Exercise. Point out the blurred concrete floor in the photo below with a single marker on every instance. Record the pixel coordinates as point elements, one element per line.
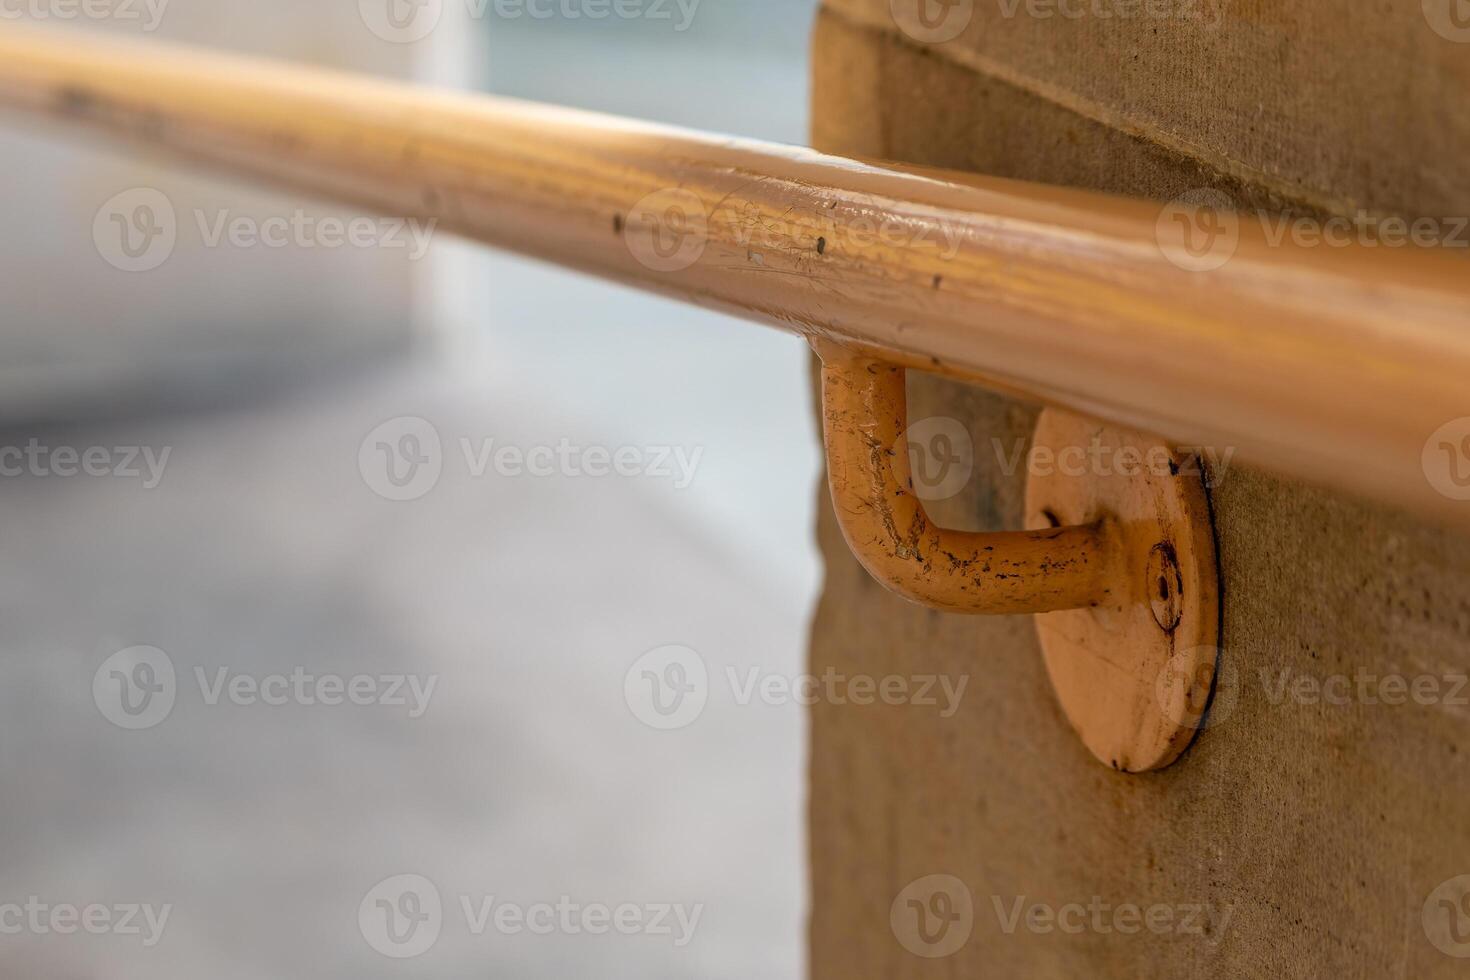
<point>528,777</point>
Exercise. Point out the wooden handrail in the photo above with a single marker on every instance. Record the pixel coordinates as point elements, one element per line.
<point>1333,364</point>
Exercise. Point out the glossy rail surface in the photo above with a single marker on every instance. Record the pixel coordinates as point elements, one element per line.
<point>1335,364</point>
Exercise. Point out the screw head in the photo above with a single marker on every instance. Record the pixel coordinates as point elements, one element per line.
<point>1165,586</point>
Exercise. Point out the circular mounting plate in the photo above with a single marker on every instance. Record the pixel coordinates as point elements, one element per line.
<point>1133,674</point>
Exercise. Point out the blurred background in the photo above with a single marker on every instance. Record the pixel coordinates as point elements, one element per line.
<point>299,667</point>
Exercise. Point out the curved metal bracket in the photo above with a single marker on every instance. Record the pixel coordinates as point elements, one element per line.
<point>1120,560</point>
<point>865,421</point>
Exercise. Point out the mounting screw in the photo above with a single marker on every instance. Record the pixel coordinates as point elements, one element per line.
<point>1165,586</point>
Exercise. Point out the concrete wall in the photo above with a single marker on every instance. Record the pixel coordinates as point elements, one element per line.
<point>1306,833</point>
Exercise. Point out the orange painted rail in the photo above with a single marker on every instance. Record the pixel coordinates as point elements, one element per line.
<point>1342,364</point>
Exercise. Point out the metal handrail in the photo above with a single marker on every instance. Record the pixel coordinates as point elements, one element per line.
<point>1345,366</point>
